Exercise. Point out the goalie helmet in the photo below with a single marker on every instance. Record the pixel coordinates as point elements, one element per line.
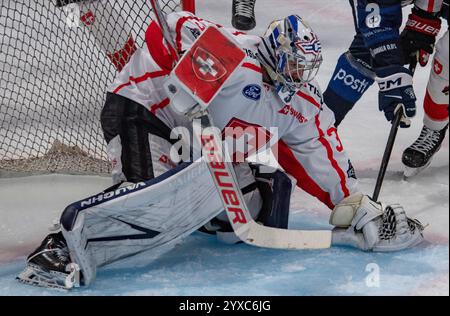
<point>290,52</point>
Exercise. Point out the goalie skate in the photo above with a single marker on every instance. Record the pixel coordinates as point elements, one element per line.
<point>409,172</point>
<point>49,265</point>
<point>37,276</point>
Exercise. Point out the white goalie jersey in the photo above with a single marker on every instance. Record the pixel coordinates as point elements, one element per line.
<point>299,129</point>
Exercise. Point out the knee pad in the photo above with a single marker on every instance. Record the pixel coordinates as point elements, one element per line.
<point>276,189</point>
<point>349,82</point>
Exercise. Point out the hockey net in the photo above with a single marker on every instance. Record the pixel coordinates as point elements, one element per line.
<point>56,59</point>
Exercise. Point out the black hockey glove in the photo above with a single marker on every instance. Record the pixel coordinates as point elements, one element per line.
<point>419,36</point>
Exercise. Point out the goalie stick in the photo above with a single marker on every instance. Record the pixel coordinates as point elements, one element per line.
<point>222,172</point>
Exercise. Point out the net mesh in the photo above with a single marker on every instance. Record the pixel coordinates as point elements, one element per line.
<point>56,61</point>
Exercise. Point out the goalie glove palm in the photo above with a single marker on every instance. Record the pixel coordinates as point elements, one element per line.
<point>372,227</point>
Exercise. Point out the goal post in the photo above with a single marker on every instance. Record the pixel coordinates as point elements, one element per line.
<point>56,59</point>
<point>188,5</point>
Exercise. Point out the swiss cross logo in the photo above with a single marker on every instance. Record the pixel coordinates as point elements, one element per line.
<point>165,160</point>
<point>207,67</point>
<point>285,110</point>
<point>88,18</point>
<point>310,46</point>
<point>244,139</point>
<point>289,110</point>
<point>437,67</point>
<point>204,69</point>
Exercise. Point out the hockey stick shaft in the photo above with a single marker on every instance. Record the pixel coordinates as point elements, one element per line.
<point>387,153</point>
<point>222,171</point>
<point>217,159</point>
<point>164,26</point>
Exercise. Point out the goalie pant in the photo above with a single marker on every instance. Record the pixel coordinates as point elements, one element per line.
<point>308,145</point>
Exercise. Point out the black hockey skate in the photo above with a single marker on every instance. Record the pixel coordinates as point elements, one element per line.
<point>419,155</point>
<point>49,265</point>
<point>243,15</point>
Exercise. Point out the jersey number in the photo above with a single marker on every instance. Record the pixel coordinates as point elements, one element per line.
<point>373,19</point>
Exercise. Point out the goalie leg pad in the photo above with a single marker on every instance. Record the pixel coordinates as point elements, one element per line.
<point>153,215</point>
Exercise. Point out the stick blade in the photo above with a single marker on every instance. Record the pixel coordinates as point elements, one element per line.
<point>274,238</point>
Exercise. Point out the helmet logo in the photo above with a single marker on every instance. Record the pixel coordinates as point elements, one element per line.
<point>310,47</point>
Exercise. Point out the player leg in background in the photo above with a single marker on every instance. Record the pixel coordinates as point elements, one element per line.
<point>243,15</point>
<point>351,79</point>
<point>102,19</point>
<point>419,155</point>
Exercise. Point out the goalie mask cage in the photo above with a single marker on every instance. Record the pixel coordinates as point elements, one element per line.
<point>56,59</point>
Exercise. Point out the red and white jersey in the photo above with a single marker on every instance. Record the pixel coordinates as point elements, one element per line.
<point>308,144</point>
<point>432,6</point>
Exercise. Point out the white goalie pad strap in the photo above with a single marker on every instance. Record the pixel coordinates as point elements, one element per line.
<point>114,152</point>
<point>151,215</point>
<point>161,158</point>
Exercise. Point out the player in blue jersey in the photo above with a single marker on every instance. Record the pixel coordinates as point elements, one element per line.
<point>375,54</point>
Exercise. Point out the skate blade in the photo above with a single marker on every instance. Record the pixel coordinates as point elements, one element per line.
<point>409,172</point>
<point>35,276</point>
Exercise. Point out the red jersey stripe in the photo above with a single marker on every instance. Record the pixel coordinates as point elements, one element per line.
<point>289,162</point>
<point>333,161</point>
<point>142,78</point>
<point>159,106</point>
<point>252,67</point>
<point>309,98</point>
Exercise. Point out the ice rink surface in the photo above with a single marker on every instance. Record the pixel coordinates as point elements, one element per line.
<point>202,266</point>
